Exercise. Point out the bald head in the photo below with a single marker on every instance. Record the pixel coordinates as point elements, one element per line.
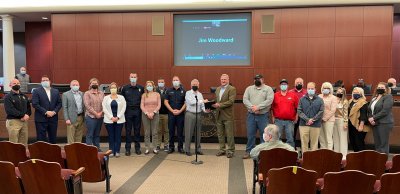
<point>14,82</point>
<point>392,82</point>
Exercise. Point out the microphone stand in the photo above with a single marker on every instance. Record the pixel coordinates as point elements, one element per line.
<point>196,162</point>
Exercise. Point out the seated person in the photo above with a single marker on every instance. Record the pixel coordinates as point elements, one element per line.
<point>392,83</point>
<point>271,138</point>
<point>364,86</point>
<point>337,84</point>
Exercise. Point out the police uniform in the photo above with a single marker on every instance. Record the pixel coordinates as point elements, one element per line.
<point>16,106</point>
<point>176,99</point>
<point>133,115</point>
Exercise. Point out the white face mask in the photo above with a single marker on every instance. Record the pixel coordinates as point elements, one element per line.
<point>176,83</point>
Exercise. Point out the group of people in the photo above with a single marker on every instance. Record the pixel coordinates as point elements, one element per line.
<point>162,111</point>
<point>328,118</point>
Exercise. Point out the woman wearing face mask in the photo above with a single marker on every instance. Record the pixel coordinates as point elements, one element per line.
<point>358,108</point>
<point>150,105</point>
<point>114,106</point>
<point>93,99</point>
<point>380,117</point>
<point>328,118</point>
<point>341,119</point>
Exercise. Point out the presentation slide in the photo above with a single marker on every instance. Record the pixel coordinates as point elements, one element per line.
<point>212,39</point>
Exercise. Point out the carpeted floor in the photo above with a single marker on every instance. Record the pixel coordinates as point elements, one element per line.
<point>174,173</point>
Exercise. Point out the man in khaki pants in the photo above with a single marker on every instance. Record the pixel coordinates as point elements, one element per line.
<point>225,98</point>
<point>73,109</point>
<point>18,110</point>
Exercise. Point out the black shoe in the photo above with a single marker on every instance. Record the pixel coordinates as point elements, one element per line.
<point>188,154</point>
<point>170,151</point>
<point>200,153</point>
<point>181,151</point>
<point>128,153</point>
<point>138,152</point>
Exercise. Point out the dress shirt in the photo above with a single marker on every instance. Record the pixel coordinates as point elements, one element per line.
<point>190,101</point>
<point>78,101</point>
<point>221,92</point>
<point>48,93</point>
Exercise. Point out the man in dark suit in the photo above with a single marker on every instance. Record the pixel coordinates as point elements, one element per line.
<point>47,103</point>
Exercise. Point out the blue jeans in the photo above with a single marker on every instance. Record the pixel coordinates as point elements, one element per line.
<point>288,126</point>
<point>255,122</point>
<point>93,131</point>
<point>114,136</point>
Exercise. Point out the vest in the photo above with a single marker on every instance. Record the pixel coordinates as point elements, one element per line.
<point>23,80</point>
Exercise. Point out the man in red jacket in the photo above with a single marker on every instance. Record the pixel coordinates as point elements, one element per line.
<point>284,109</point>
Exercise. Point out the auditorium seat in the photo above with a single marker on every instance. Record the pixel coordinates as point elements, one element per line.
<point>390,183</point>
<point>393,165</point>
<point>47,152</point>
<point>291,180</point>
<point>95,163</point>
<point>322,161</point>
<point>10,182</point>
<point>41,177</point>
<point>367,161</point>
<point>13,152</point>
<point>268,159</point>
<point>348,182</point>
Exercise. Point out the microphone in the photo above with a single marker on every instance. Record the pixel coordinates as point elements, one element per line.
<point>195,97</point>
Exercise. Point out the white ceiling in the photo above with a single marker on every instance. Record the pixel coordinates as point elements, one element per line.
<point>29,10</point>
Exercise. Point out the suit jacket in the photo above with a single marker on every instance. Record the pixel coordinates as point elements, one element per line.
<point>382,110</point>
<point>70,108</point>
<point>41,103</point>
<point>225,111</point>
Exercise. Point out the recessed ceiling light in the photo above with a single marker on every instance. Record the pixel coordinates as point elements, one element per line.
<point>45,18</point>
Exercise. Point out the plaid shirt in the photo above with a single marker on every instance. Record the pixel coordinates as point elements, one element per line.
<point>92,101</point>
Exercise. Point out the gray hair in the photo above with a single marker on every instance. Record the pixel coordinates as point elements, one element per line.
<point>273,130</point>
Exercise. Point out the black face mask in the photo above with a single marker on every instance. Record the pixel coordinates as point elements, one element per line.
<point>257,82</point>
<point>195,88</point>
<point>339,95</point>
<point>380,91</point>
<point>95,86</point>
<point>16,87</point>
<point>299,86</point>
<point>390,84</point>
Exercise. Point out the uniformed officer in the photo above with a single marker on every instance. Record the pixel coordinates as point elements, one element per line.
<point>133,115</point>
<point>24,79</point>
<point>175,103</point>
<point>18,110</point>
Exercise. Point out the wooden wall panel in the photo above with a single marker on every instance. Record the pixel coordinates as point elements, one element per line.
<point>320,52</point>
<point>134,54</point>
<point>111,55</point>
<point>291,74</point>
<point>349,75</point>
<point>87,26</point>
<point>348,51</point>
<point>64,54</point>
<point>395,73</point>
<point>63,26</point>
<point>294,22</point>
<point>349,21</point>
<point>267,53</point>
<point>319,76</point>
<point>185,74</point>
<point>87,55</point>
<point>110,26</point>
<point>321,22</point>
<point>294,52</point>
<point>64,76</point>
<point>375,75</point>
<point>378,20</point>
<point>376,51</point>
<point>159,54</point>
<point>134,26</point>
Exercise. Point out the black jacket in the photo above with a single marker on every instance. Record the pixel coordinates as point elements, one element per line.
<point>16,105</point>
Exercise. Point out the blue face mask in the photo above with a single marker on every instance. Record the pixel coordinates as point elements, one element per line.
<point>45,84</point>
<point>149,88</point>
<point>176,83</point>
<point>23,72</point>
<point>356,96</point>
<point>75,88</point>
<point>161,85</point>
<point>283,87</point>
<point>311,92</point>
<point>133,79</point>
<point>325,91</point>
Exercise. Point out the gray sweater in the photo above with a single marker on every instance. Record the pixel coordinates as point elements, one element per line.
<point>311,109</point>
<point>261,97</point>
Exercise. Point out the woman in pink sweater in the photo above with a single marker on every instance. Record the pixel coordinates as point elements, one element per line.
<point>150,105</point>
<point>328,119</point>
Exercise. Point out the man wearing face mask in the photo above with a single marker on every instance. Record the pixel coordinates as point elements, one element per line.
<point>299,91</point>
<point>310,111</point>
<point>284,111</point>
<point>18,110</point>
<point>133,115</point>
<point>392,83</point>
<point>192,96</point>
<point>47,102</point>
<point>24,79</point>
<point>175,103</point>
<point>257,99</point>
<point>163,115</point>
<point>73,108</point>
<point>271,138</point>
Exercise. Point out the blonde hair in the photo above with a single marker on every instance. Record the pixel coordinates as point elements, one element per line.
<point>344,93</point>
<point>327,85</point>
<point>146,92</point>
<point>359,90</point>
